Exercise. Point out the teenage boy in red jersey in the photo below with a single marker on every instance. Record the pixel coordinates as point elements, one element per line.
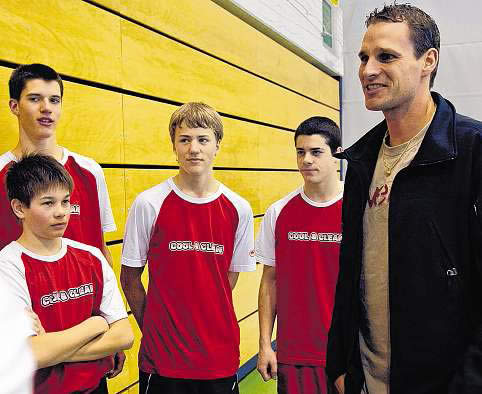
<point>36,92</point>
<point>197,235</point>
<point>67,284</point>
<point>298,244</point>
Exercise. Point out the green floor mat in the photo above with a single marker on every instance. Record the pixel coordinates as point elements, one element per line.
<point>254,384</point>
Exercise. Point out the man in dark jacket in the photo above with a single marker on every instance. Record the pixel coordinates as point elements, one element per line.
<point>407,316</point>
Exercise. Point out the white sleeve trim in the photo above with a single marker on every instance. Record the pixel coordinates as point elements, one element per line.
<point>141,219</point>
<point>106,215</point>
<point>111,306</point>
<point>243,259</point>
<point>265,241</point>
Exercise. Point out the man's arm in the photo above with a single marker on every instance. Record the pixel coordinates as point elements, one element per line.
<point>267,364</point>
<point>233,279</point>
<point>118,337</point>
<point>106,252</point>
<point>134,291</point>
<point>56,347</point>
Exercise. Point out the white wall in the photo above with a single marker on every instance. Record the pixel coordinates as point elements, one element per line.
<point>301,22</point>
<point>459,76</point>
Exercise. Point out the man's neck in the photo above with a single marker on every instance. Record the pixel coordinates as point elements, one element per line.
<point>40,246</point>
<point>405,123</point>
<point>324,191</point>
<point>46,146</point>
<point>199,186</point>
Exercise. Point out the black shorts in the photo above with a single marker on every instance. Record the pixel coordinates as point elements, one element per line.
<point>154,384</point>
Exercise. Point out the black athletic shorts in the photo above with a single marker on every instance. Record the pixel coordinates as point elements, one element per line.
<point>155,384</point>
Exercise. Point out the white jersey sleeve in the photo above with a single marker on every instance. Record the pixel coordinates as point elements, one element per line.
<point>266,239</point>
<point>140,222</point>
<point>16,364</point>
<point>111,305</point>
<point>106,215</point>
<point>243,259</point>
<point>12,272</point>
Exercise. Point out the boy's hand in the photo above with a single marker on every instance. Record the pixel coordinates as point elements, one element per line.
<point>119,359</point>
<point>36,323</point>
<point>267,364</point>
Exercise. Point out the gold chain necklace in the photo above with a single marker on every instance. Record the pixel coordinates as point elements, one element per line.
<point>389,169</point>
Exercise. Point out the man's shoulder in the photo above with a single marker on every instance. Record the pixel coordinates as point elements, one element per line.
<point>468,124</point>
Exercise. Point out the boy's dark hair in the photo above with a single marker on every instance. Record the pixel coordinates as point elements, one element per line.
<point>424,32</point>
<point>34,174</point>
<point>26,72</point>
<point>324,127</point>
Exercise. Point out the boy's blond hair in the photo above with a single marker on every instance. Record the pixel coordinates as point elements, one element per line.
<point>196,115</point>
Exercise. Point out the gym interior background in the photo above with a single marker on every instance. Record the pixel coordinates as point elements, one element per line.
<point>127,65</point>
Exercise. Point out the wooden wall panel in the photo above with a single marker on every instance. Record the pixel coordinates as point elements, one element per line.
<point>245,294</point>
<point>154,65</point>
<point>249,338</point>
<point>208,26</point>
<point>72,36</point>
<point>245,144</point>
<point>115,184</point>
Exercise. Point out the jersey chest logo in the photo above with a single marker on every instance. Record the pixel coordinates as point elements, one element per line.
<point>207,247</point>
<point>66,295</point>
<point>75,209</point>
<point>320,237</point>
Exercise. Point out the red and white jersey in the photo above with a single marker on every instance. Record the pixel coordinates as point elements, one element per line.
<point>190,328</point>
<point>302,238</point>
<point>91,213</point>
<point>64,290</point>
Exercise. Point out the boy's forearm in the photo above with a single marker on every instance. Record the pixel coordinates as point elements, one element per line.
<point>136,297</point>
<point>266,310</point>
<point>118,337</point>
<point>56,347</point>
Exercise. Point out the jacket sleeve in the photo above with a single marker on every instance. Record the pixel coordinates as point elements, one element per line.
<point>339,334</point>
<point>468,379</point>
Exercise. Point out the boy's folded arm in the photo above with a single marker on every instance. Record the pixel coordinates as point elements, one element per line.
<point>118,337</point>
<point>56,347</point>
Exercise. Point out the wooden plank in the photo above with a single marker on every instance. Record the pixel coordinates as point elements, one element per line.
<point>91,122</point>
<point>208,26</point>
<point>72,36</point>
<point>158,66</point>
<point>115,184</point>
<point>260,188</point>
<point>249,338</point>
<point>245,144</point>
<point>245,294</point>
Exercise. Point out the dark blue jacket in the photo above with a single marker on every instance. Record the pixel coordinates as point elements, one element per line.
<point>435,261</point>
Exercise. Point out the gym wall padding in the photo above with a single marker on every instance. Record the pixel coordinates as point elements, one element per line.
<point>128,65</point>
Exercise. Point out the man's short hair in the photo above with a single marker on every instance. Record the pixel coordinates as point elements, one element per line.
<point>26,72</point>
<point>34,174</point>
<point>424,32</point>
<point>196,115</point>
<point>325,127</point>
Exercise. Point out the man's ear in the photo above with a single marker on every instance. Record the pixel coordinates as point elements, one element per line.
<point>18,208</point>
<point>430,62</point>
<point>339,149</point>
<point>13,104</point>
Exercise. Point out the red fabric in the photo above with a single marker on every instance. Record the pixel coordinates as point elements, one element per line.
<point>190,328</point>
<point>76,269</point>
<point>297,379</point>
<point>306,275</point>
<point>84,227</point>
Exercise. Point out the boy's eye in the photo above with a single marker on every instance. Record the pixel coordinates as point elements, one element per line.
<point>203,140</point>
<point>55,100</point>
<point>386,57</point>
<point>48,203</point>
<point>316,152</point>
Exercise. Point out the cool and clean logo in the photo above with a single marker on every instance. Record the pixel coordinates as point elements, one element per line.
<point>75,209</point>
<point>67,295</point>
<point>318,237</point>
<point>207,247</point>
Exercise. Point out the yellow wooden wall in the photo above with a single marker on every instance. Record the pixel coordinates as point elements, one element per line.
<point>128,64</point>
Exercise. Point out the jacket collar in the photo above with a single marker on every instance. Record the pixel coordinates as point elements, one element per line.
<point>438,144</point>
